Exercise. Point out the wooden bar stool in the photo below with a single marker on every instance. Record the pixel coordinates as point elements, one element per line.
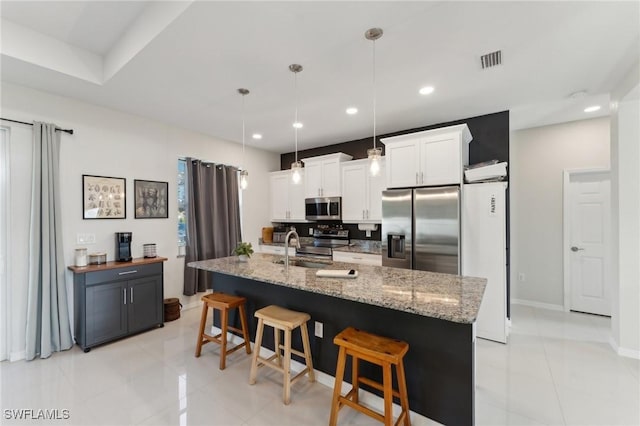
<point>378,350</point>
<point>285,320</point>
<point>223,302</point>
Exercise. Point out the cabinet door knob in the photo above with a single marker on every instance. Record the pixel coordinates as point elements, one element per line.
<point>131,295</point>
<point>124,295</point>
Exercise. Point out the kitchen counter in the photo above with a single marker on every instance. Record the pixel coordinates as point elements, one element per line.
<point>433,313</point>
<point>448,297</point>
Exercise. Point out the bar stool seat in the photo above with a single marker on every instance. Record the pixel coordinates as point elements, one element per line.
<point>285,320</point>
<point>382,351</point>
<point>223,302</point>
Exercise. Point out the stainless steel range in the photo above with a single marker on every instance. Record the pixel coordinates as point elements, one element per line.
<point>325,239</point>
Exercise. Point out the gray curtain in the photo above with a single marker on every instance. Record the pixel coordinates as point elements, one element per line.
<point>213,218</point>
<point>48,327</point>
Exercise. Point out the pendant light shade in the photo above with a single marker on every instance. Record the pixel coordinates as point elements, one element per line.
<point>296,166</point>
<point>374,154</point>
<point>244,174</point>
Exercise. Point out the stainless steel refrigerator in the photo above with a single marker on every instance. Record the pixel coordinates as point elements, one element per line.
<point>421,229</point>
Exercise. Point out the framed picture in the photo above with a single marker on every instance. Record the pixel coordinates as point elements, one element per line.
<point>151,199</point>
<point>104,197</point>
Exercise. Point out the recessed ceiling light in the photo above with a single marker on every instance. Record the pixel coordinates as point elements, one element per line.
<point>592,108</point>
<point>426,90</point>
<point>578,95</point>
<point>352,110</point>
<point>256,136</point>
<point>297,125</point>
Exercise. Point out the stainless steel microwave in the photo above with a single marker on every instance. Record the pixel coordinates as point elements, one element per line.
<point>323,208</point>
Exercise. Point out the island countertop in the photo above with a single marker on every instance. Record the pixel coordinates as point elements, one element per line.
<point>448,297</point>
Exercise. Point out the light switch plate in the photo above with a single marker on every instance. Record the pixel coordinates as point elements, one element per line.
<point>319,329</point>
<point>86,239</point>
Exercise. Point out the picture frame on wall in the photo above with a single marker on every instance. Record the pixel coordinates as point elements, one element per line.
<point>104,197</point>
<point>151,199</point>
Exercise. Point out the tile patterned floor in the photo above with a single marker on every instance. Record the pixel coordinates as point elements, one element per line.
<point>558,369</point>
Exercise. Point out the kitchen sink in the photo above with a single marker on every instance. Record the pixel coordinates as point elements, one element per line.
<point>303,263</point>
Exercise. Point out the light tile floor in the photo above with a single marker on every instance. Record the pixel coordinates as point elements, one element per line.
<point>558,369</point>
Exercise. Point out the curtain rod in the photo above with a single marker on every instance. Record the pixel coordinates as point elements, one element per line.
<point>70,131</point>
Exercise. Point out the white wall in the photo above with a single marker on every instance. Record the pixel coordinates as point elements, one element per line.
<point>111,143</point>
<point>538,157</point>
<point>625,197</point>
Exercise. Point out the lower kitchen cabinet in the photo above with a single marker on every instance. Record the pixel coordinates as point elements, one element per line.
<point>117,299</point>
<point>361,258</point>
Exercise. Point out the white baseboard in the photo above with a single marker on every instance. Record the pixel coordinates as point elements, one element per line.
<point>626,352</point>
<point>192,305</point>
<point>535,304</point>
<point>371,400</point>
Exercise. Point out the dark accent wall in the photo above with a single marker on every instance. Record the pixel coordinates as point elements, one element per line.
<point>490,141</point>
<point>354,233</point>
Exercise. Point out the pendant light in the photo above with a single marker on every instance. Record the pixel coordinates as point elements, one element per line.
<point>374,153</point>
<point>244,174</point>
<point>296,166</point>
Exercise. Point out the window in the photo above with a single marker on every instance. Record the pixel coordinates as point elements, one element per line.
<point>182,203</point>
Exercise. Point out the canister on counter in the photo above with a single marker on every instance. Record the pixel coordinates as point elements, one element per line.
<point>81,256</point>
<point>267,234</point>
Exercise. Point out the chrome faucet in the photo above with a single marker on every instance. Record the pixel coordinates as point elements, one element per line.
<point>286,246</point>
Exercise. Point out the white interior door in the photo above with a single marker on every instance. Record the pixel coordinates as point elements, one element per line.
<point>589,243</point>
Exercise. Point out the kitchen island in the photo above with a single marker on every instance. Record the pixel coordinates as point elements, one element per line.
<point>434,313</point>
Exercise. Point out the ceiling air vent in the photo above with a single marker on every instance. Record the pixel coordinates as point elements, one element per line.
<point>492,59</point>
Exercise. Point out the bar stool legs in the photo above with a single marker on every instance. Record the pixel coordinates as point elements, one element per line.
<point>378,350</point>
<point>282,320</point>
<point>223,302</point>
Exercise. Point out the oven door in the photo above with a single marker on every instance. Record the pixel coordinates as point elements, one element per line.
<point>323,208</point>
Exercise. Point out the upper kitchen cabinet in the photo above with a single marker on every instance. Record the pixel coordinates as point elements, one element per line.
<point>322,175</point>
<point>361,192</point>
<point>287,198</point>
<point>431,157</point>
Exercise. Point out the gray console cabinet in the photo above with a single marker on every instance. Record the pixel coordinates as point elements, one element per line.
<point>116,300</point>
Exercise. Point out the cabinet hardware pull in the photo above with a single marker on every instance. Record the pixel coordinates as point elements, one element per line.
<point>131,295</point>
<point>416,178</point>
<point>127,272</point>
<point>363,214</point>
<point>421,177</point>
<point>124,295</point>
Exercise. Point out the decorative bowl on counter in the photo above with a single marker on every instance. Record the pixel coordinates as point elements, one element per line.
<point>97,258</point>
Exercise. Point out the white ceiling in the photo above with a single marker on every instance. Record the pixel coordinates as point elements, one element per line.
<point>182,62</point>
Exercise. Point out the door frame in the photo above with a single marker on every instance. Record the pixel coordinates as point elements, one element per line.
<point>566,232</point>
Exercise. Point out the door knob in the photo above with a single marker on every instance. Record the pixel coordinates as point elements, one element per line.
<point>574,249</point>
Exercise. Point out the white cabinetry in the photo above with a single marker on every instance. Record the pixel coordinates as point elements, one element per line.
<point>361,192</point>
<point>360,258</point>
<point>287,198</point>
<point>484,253</point>
<point>431,157</point>
<point>322,175</point>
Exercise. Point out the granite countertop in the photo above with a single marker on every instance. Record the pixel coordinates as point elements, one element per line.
<point>448,297</point>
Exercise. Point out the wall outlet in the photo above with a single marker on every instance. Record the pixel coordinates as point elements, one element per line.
<point>521,277</point>
<point>86,239</point>
<point>310,231</point>
<point>319,329</point>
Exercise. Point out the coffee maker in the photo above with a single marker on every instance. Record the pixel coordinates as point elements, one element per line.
<point>123,246</point>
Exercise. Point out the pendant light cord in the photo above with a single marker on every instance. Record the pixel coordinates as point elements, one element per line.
<point>243,131</point>
<point>374,94</point>
<point>295,86</point>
